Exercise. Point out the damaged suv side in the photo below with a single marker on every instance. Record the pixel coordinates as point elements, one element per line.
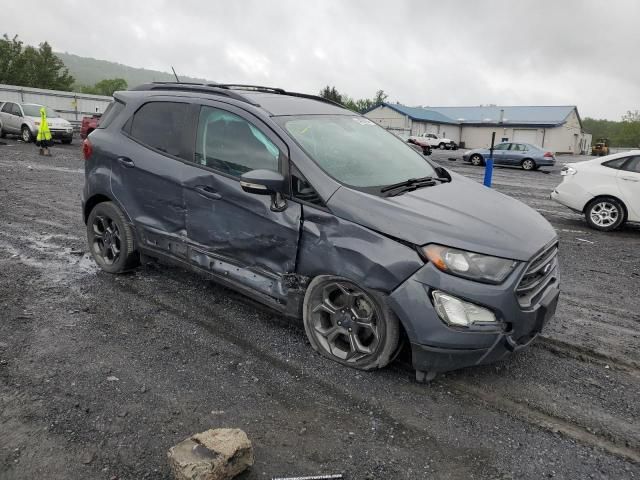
<point>321,214</point>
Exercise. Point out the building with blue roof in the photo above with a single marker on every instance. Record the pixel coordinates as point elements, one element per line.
<point>555,128</point>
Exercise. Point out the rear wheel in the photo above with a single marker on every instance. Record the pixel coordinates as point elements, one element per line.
<point>348,324</point>
<point>442,145</point>
<point>528,164</point>
<point>605,214</point>
<point>110,239</point>
<point>26,134</point>
<point>476,160</point>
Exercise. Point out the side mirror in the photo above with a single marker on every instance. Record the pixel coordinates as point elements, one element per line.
<point>262,182</point>
<point>266,182</point>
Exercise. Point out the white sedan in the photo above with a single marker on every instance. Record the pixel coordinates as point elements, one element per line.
<point>605,189</point>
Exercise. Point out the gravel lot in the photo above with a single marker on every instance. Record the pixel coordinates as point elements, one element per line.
<point>101,374</point>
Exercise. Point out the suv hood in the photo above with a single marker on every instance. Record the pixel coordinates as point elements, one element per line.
<point>461,214</point>
<point>55,122</point>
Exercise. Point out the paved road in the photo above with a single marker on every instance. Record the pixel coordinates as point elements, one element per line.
<point>101,374</point>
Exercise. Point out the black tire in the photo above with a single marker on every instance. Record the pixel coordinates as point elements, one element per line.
<point>110,239</point>
<point>426,150</point>
<point>358,315</point>
<point>3,134</point>
<point>528,164</point>
<point>605,214</point>
<point>67,141</point>
<point>442,145</point>
<point>476,160</point>
<point>26,134</point>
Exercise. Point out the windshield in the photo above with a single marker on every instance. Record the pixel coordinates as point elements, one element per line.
<point>355,151</point>
<point>34,111</point>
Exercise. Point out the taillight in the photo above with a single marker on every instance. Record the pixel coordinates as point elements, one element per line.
<point>87,149</point>
<point>548,154</point>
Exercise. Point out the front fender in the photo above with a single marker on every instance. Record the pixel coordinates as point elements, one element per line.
<point>330,245</point>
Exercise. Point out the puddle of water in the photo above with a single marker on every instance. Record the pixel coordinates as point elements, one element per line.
<point>59,264</point>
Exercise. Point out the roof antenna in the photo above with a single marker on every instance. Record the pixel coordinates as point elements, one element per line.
<point>175,75</point>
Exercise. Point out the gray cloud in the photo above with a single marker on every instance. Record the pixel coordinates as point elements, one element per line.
<point>536,52</point>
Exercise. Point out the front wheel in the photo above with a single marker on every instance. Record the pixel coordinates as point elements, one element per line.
<point>528,164</point>
<point>26,134</point>
<point>67,141</point>
<point>110,239</point>
<point>476,160</point>
<point>604,214</point>
<point>348,324</point>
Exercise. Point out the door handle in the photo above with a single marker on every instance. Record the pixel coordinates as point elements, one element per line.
<point>126,162</point>
<point>208,192</point>
<point>629,179</point>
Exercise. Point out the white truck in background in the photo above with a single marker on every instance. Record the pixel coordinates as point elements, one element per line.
<point>431,140</point>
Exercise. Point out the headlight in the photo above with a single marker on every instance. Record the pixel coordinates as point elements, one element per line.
<point>568,171</point>
<point>459,313</point>
<point>474,266</point>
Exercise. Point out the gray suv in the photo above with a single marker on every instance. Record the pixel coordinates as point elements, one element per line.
<point>319,213</point>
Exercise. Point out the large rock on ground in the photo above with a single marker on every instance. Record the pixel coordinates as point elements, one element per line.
<point>217,454</point>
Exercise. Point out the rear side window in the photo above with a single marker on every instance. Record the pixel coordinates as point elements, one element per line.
<point>112,111</point>
<point>232,145</point>
<point>6,107</point>
<point>633,165</point>
<point>161,125</point>
<point>617,163</point>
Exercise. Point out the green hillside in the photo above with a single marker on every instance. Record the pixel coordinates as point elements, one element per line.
<point>89,71</point>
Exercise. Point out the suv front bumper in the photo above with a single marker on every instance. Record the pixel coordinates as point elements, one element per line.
<point>439,347</point>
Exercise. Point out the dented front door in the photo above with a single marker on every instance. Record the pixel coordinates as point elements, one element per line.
<point>231,232</point>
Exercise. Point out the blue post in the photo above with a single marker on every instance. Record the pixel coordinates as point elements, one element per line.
<point>488,164</point>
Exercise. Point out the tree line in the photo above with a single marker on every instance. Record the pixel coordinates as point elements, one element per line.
<point>623,133</point>
<point>360,105</point>
<point>28,66</point>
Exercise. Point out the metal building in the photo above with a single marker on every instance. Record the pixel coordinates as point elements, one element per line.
<point>72,106</point>
<point>556,128</point>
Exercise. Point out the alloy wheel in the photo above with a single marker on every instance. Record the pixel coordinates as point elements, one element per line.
<point>345,322</point>
<point>106,241</point>
<point>604,214</point>
<point>528,164</point>
<point>26,136</point>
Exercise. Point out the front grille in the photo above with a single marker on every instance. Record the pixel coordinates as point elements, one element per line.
<point>542,271</point>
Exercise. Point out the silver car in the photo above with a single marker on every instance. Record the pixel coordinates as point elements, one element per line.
<point>24,119</point>
<point>524,155</point>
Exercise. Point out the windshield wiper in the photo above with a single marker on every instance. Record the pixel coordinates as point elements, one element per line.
<point>414,183</point>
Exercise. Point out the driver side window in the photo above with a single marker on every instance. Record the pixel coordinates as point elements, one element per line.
<point>228,143</point>
<point>502,146</point>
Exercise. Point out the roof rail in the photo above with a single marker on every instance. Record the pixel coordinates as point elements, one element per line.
<point>279,91</point>
<point>254,88</point>
<point>194,87</point>
<point>229,90</point>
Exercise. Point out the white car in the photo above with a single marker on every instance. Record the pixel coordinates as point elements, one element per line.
<point>23,119</point>
<point>605,189</point>
<point>431,140</point>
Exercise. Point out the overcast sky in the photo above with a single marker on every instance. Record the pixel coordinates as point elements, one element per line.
<point>420,52</point>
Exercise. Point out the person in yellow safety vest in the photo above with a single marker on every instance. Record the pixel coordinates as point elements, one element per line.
<point>43,140</point>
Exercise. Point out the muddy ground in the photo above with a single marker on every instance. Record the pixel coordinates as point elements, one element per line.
<point>101,374</point>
